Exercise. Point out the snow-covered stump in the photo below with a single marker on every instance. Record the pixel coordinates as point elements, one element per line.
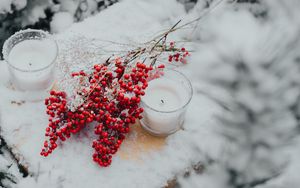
<point>71,165</point>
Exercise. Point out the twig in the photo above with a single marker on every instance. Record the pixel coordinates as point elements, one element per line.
<point>190,22</point>
<point>165,35</point>
<point>23,170</point>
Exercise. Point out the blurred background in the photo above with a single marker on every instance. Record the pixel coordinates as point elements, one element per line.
<point>50,15</point>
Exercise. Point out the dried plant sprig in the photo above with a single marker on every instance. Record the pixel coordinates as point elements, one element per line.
<point>109,94</point>
<point>147,54</point>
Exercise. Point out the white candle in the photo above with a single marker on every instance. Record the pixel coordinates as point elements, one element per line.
<point>30,62</point>
<point>163,104</point>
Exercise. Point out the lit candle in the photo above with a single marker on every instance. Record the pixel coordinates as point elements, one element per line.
<point>165,103</point>
<point>30,55</point>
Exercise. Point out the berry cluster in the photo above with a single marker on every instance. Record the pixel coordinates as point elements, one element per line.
<point>111,100</point>
<point>180,55</point>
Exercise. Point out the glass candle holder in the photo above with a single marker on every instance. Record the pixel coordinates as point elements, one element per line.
<point>31,55</point>
<point>165,103</point>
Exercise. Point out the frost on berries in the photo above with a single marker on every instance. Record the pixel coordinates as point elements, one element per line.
<point>111,98</point>
<point>108,94</point>
<point>178,55</point>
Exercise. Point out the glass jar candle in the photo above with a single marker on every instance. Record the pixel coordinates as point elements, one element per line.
<point>165,103</point>
<point>31,56</point>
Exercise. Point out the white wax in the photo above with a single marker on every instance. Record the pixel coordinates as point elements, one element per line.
<point>30,56</point>
<point>164,95</point>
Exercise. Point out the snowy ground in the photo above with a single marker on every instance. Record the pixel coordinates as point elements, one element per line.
<point>231,36</point>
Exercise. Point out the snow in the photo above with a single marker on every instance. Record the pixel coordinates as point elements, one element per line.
<point>71,164</point>
<point>5,5</point>
<point>8,166</point>
<point>290,176</point>
<point>65,166</point>
<point>266,147</point>
<point>20,4</point>
<point>232,37</point>
<point>61,21</point>
<point>34,11</point>
<point>214,177</point>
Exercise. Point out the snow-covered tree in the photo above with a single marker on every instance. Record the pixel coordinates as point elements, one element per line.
<point>257,82</point>
<point>50,15</point>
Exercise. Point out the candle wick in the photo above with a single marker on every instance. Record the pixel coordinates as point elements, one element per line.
<point>162,101</point>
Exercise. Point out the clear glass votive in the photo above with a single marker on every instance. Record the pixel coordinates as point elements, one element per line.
<point>165,103</point>
<point>31,55</point>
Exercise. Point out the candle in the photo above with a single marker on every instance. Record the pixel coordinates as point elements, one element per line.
<point>31,55</point>
<point>27,60</point>
<point>165,103</point>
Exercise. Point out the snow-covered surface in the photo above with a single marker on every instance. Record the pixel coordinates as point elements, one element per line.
<point>229,35</point>
<point>71,165</point>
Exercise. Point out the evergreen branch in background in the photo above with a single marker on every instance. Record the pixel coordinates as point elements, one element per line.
<point>21,17</point>
<point>254,111</point>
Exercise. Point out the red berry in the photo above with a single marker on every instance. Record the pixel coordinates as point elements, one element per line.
<point>112,99</point>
